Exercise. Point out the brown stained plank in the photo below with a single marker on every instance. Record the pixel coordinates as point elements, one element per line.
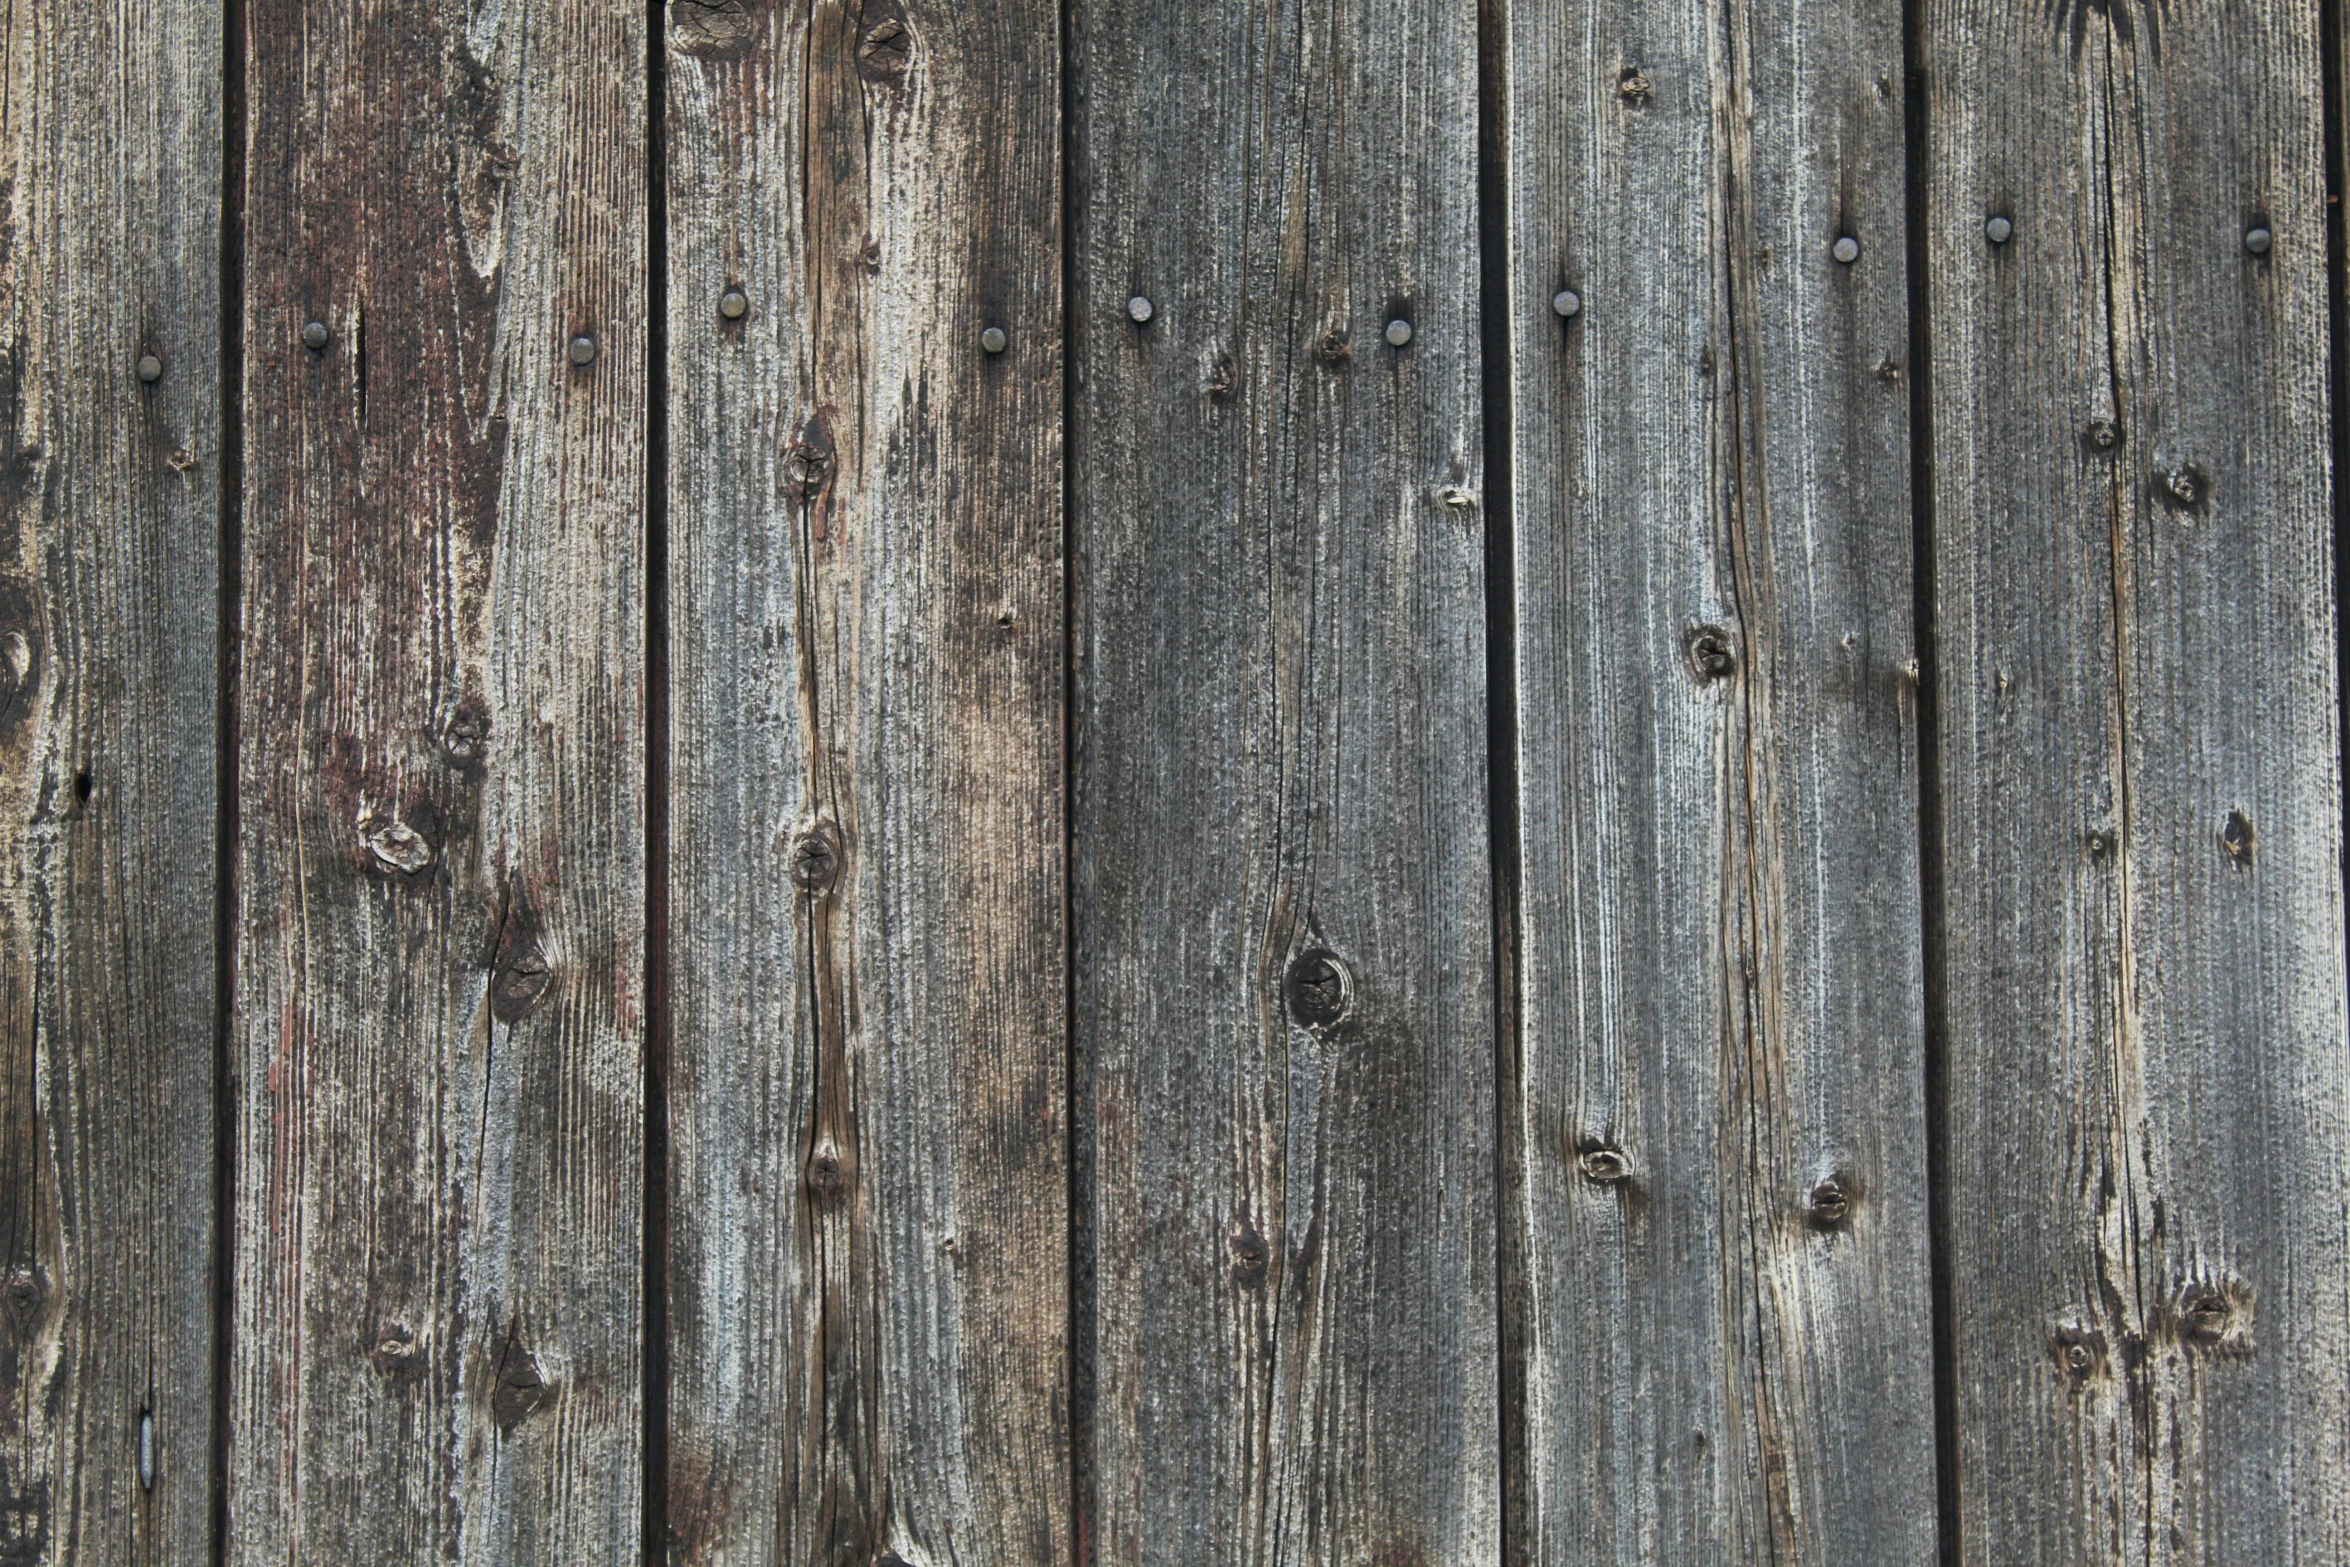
<point>1281,748</point>
<point>1719,1205</point>
<point>2146,1115</point>
<point>109,717</point>
<point>440,973</point>
<point>867,1276</point>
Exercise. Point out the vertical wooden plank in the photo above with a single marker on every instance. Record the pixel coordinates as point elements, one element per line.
<point>440,973</point>
<point>109,734</point>
<point>868,1105</point>
<point>1282,877</point>
<point>2147,1092</point>
<point>1719,1207</point>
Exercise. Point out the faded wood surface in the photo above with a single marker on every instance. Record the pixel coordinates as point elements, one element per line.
<point>1284,942</point>
<point>109,733</point>
<point>868,1294</point>
<point>1718,1205</point>
<point>440,979</point>
<point>2139,780</point>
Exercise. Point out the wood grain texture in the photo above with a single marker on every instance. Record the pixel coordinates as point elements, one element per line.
<point>439,968</point>
<point>1282,742</point>
<point>109,733</point>
<point>2146,1116</point>
<point>1718,1203</point>
<point>868,1278</point>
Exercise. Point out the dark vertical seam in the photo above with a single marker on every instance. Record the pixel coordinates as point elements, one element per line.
<point>226,656</point>
<point>2337,180</point>
<point>1501,759</point>
<point>1078,1083</point>
<point>655,1500</point>
<point>1933,919</point>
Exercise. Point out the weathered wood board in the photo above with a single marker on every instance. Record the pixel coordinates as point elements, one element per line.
<point>867,1280</point>
<point>1717,1210</point>
<point>2148,1147</point>
<point>1284,974</point>
<point>440,973</point>
<point>109,743</point>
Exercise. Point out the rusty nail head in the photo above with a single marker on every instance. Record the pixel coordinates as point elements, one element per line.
<point>150,368</point>
<point>733,304</point>
<point>994,340</point>
<point>1846,250</point>
<point>1999,230</point>
<point>1399,332</point>
<point>583,350</point>
<point>2258,240</point>
<point>314,335</point>
<point>1139,309</point>
<point>1567,303</point>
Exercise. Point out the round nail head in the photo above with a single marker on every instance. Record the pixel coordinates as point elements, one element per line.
<point>150,368</point>
<point>1567,303</point>
<point>993,340</point>
<point>733,304</point>
<point>1399,332</point>
<point>583,350</point>
<point>1846,250</point>
<point>1139,309</point>
<point>314,335</point>
<point>2258,241</point>
<point>1998,231</point>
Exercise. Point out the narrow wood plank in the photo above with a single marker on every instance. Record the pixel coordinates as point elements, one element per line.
<point>440,972</point>
<point>109,734</point>
<point>2146,1115</point>
<point>868,1082</point>
<point>1282,881</point>
<point>1719,1204</point>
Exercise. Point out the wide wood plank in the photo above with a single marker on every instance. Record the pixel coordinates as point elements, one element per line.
<point>1717,1212</point>
<point>867,1279</point>
<point>440,977</point>
<point>109,735</point>
<point>2148,1112</point>
<point>1282,885</point>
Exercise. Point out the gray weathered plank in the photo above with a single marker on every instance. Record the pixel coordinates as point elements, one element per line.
<point>440,977</point>
<point>1281,752</point>
<point>868,1106</point>
<point>1720,1281</point>
<point>2148,1145</point>
<point>109,729</point>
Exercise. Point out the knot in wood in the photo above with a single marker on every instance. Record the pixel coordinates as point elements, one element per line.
<point>1710,653</point>
<point>1317,988</point>
<point>885,48</point>
<point>520,1390</point>
<point>1251,1257</point>
<point>400,847</point>
<point>22,1295</point>
<point>395,1350</point>
<point>815,860</point>
<point>1605,1164</point>
<point>826,1176</point>
<point>2078,1350</point>
<point>806,467</point>
<point>1336,348</point>
<point>2238,838</point>
<point>520,983</point>
<point>1830,1203</point>
<point>2217,1317</point>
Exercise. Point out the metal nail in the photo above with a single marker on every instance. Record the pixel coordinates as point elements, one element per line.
<point>583,350</point>
<point>1139,308</point>
<point>1399,332</point>
<point>993,340</point>
<point>1998,231</point>
<point>732,304</point>
<point>150,368</point>
<point>1846,250</point>
<point>1567,302</point>
<point>2258,240</point>
<point>314,335</point>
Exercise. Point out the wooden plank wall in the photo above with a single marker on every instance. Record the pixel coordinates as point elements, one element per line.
<point>1385,782</point>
